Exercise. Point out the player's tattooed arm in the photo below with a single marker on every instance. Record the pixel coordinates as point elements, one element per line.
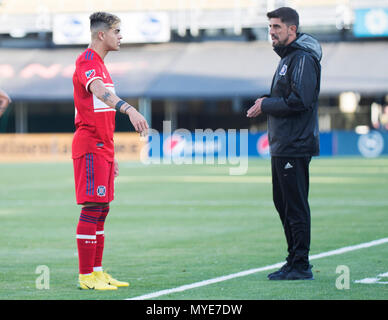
<point>109,98</point>
<point>97,87</point>
<point>106,96</point>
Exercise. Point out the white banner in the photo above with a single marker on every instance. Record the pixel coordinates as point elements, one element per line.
<point>143,27</point>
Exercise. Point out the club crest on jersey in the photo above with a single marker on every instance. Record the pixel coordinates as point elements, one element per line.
<point>91,73</point>
<point>101,190</point>
<point>283,70</point>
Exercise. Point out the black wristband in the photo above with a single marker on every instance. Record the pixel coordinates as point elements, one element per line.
<point>129,107</point>
<point>119,104</point>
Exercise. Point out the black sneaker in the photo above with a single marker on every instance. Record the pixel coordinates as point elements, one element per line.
<point>292,273</point>
<point>279,273</point>
<point>298,273</point>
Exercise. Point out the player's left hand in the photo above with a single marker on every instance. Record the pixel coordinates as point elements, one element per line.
<point>116,168</point>
<point>138,121</point>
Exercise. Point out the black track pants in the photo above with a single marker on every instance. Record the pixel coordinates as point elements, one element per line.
<point>290,187</point>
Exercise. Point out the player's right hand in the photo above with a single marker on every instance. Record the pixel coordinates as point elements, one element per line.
<point>255,110</point>
<point>5,100</point>
<point>138,121</point>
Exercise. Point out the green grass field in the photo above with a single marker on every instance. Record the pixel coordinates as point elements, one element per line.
<point>173,225</point>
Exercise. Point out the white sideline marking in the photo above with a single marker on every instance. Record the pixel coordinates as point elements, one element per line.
<point>374,280</point>
<point>367,280</point>
<point>251,271</point>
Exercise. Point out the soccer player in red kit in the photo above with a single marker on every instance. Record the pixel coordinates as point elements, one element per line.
<point>93,147</point>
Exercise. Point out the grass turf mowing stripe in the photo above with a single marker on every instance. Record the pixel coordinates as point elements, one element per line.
<point>251,271</point>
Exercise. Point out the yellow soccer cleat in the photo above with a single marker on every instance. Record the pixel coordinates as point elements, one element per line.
<point>107,278</point>
<point>91,282</point>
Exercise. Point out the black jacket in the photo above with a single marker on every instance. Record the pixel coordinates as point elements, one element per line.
<point>292,106</point>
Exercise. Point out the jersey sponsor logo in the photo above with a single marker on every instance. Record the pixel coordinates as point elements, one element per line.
<point>90,73</point>
<point>101,191</point>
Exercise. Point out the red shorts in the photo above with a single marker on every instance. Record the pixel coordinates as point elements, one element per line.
<point>94,179</point>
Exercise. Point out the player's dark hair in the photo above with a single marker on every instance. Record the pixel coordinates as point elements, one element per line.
<point>103,20</point>
<point>287,15</point>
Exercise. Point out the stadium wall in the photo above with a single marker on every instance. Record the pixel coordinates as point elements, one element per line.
<point>334,143</point>
<point>185,144</point>
<point>56,147</point>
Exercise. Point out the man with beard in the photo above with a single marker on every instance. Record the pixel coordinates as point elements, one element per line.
<point>292,112</point>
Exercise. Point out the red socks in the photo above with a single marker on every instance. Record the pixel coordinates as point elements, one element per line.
<point>90,238</point>
<point>100,237</point>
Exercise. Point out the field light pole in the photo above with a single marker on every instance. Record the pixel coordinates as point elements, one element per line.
<point>170,113</point>
<point>145,108</point>
<point>21,123</point>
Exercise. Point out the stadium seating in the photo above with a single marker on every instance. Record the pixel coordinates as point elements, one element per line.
<point>18,16</point>
<point>34,16</point>
<point>60,6</point>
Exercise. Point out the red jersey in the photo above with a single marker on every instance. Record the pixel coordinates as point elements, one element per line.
<point>94,120</point>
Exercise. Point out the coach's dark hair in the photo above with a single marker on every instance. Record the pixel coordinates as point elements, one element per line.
<point>102,20</point>
<point>287,15</point>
